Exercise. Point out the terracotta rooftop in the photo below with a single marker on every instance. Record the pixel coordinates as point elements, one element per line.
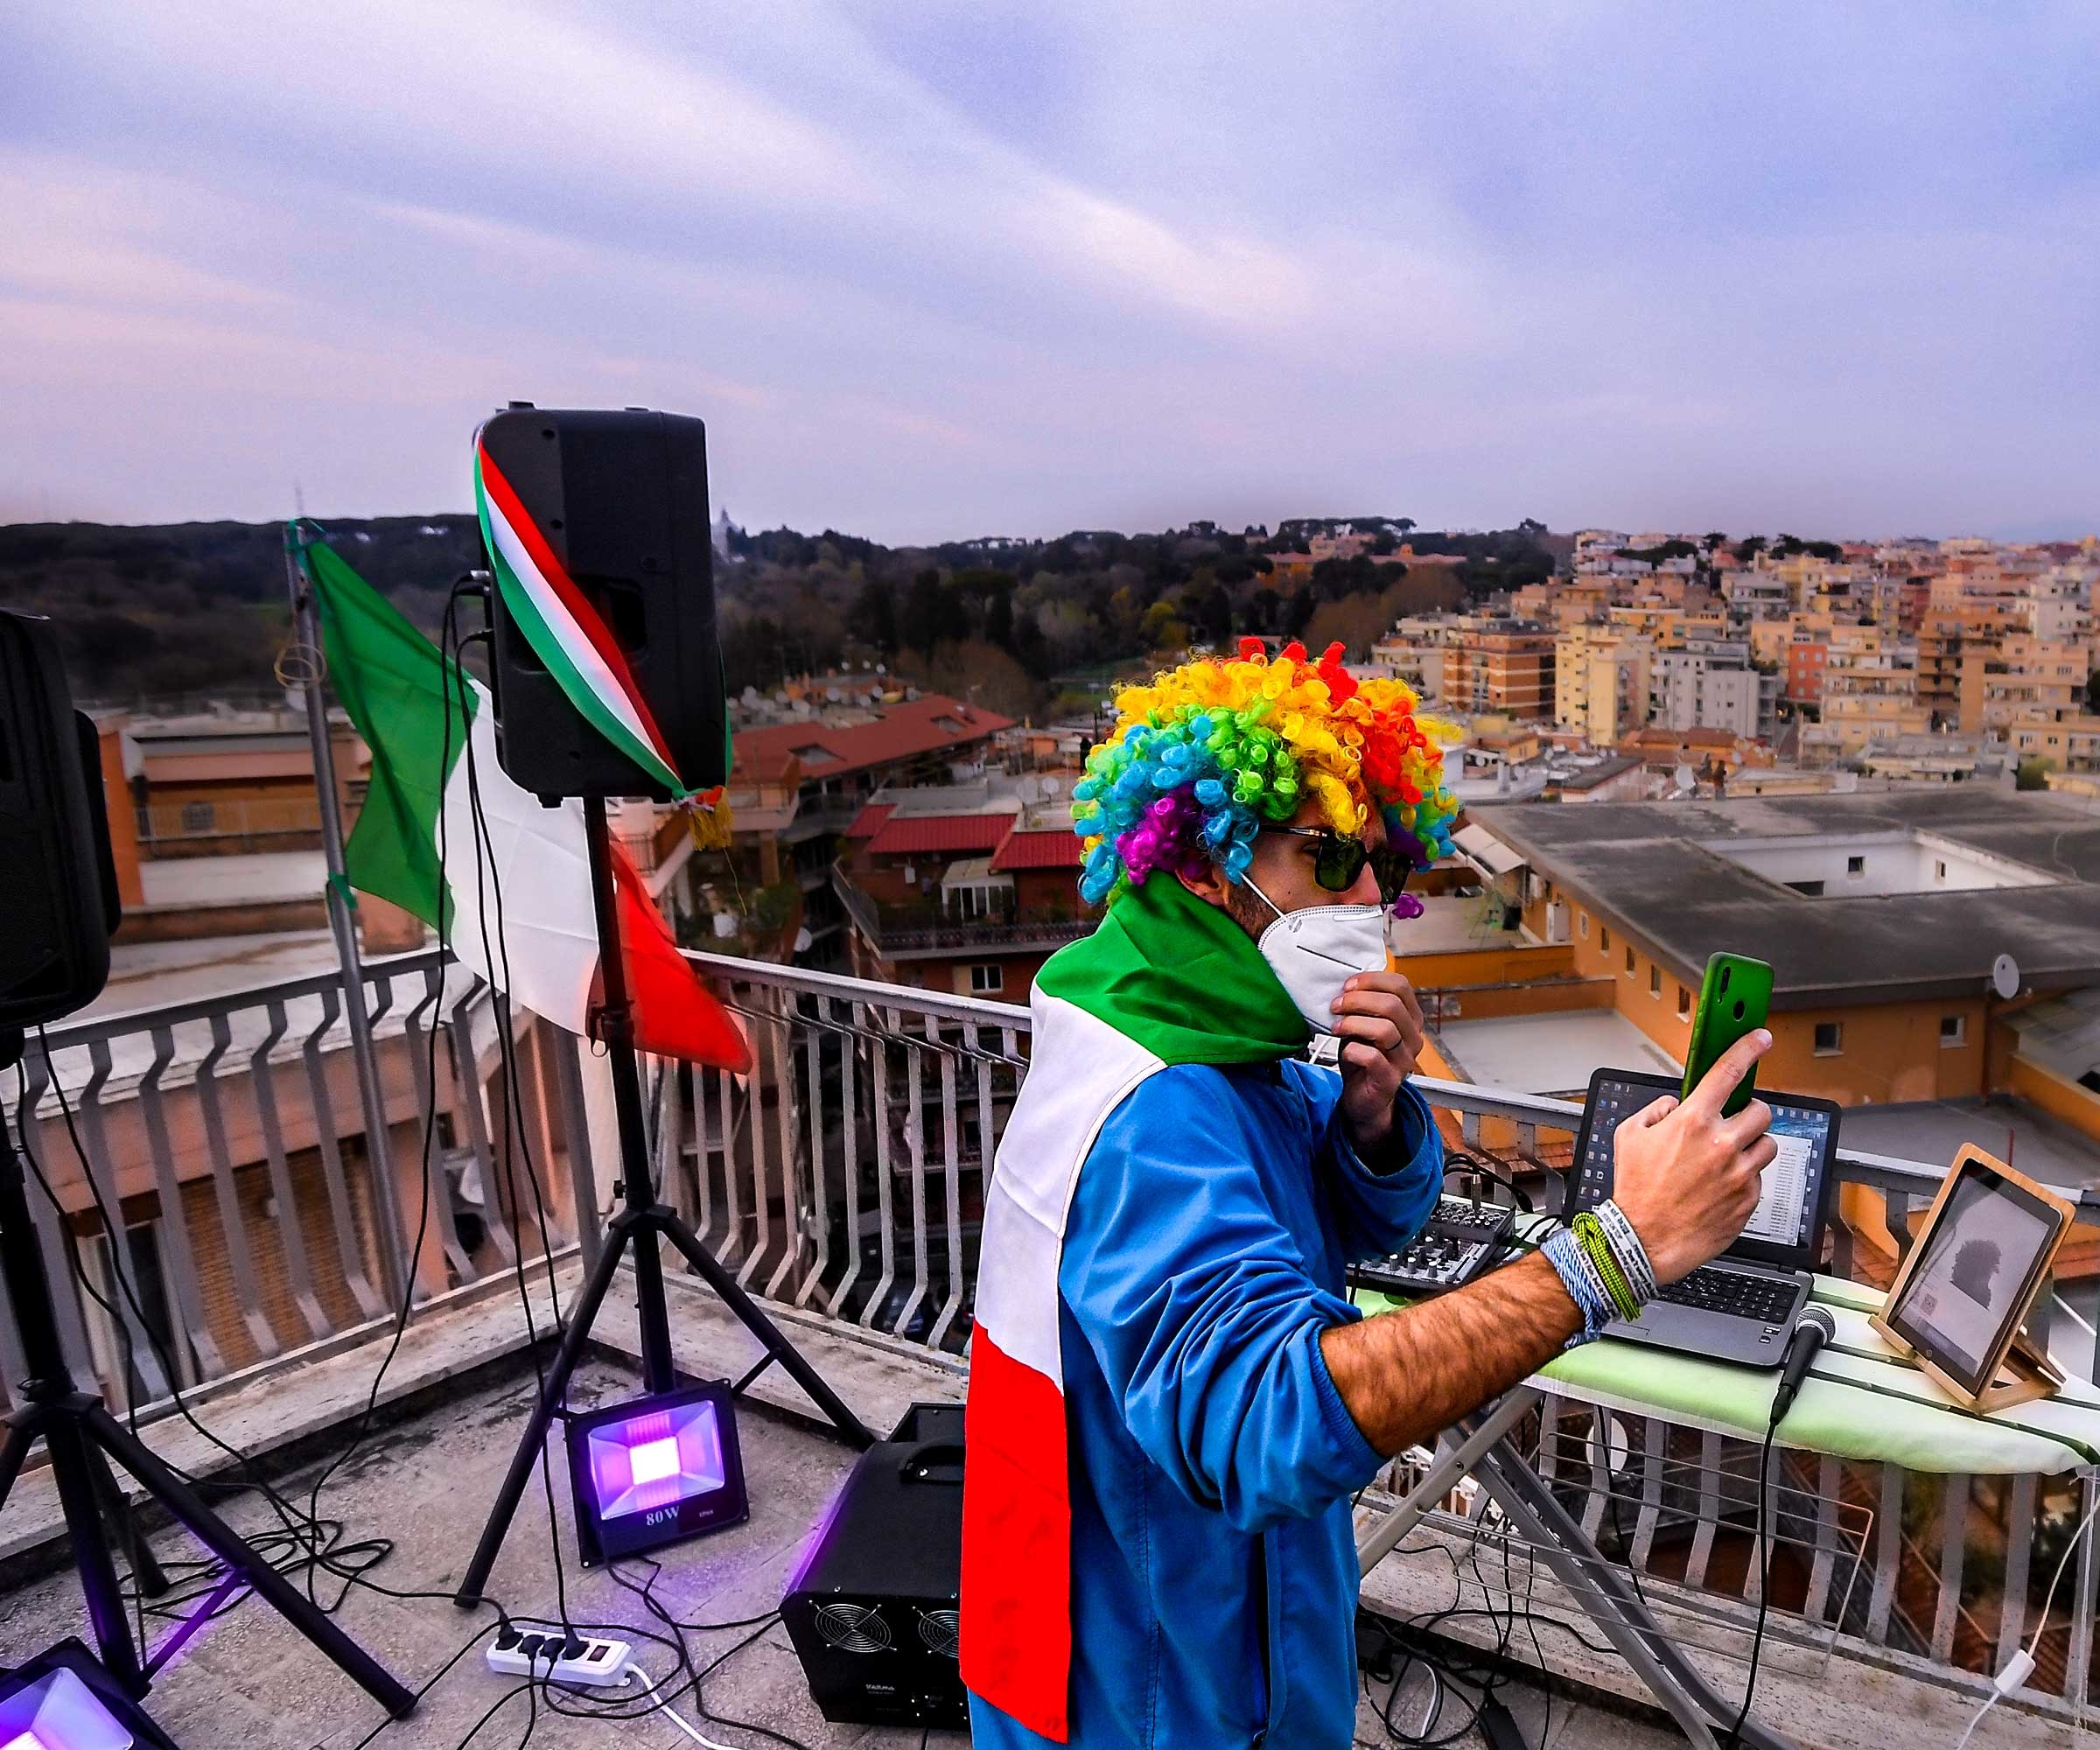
<point>869,820</point>
<point>1058,847</point>
<point>929,724</point>
<point>921,834</point>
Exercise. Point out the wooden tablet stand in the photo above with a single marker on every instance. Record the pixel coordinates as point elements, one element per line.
<point>2021,1370</point>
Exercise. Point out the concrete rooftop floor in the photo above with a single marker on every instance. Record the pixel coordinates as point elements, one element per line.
<point>248,1682</point>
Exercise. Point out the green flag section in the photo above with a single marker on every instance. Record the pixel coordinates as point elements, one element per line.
<point>1180,977</point>
<point>513,899</point>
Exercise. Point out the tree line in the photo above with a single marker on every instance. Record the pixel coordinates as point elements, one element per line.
<point>173,613</point>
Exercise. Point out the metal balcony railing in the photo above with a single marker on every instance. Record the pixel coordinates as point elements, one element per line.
<point>844,1176</point>
<point>210,1200</point>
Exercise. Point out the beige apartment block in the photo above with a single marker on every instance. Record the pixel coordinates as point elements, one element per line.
<point>2070,745</point>
<point>1600,682</point>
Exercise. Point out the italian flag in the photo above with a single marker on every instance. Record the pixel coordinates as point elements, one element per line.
<point>432,729</point>
<point>1165,979</point>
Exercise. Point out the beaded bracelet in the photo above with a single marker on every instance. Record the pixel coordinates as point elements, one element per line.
<point>1626,1248</point>
<point>1571,1264</point>
<point>1590,1232</point>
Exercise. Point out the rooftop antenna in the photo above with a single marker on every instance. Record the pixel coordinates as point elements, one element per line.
<point>2005,977</point>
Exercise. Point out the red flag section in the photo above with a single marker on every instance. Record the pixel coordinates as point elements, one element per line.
<point>675,1014</point>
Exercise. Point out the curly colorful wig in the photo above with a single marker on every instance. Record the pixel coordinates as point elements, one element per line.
<point>1215,749</point>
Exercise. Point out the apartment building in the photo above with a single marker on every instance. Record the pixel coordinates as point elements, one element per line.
<point>222,783</point>
<point>1870,690</point>
<point>1710,685</point>
<point>1601,682</point>
<point>2067,745</point>
<point>960,890</point>
<point>1881,913</point>
<point>1500,664</point>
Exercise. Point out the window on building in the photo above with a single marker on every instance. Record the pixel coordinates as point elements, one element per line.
<point>1855,866</point>
<point>1605,941</point>
<point>1830,1038</point>
<point>986,980</point>
<point>1629,962</point>
<point>1954,1029</point>
<point>1684,1001</point>
<point>1939,871</point>
<point>1654,981</point>
<point>1582,922</point>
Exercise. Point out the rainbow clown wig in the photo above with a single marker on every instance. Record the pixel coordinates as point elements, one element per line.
<point>1213,751</point>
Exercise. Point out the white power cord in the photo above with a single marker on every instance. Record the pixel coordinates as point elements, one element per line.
<point>665,1709</point>
<point>2020,1666</point>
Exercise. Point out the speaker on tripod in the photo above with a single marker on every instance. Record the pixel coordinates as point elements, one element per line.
<point>604,657</point>
<point>58,890</point>
<point>609,512</point>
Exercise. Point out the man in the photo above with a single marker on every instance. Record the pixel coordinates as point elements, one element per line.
<point>1171,1402</point>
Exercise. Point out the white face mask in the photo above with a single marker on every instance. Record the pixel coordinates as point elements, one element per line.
<point>1314,952</point>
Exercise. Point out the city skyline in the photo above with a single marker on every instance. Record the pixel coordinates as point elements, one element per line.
<point>1020,272</point>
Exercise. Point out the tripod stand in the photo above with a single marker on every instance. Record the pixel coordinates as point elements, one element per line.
<point>641,1223</point>
<point>82,1438</point>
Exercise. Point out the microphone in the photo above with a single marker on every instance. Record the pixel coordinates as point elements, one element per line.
<point>1811,1331</point>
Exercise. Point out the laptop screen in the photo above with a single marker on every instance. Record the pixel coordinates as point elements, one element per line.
<point>1793,1205</point>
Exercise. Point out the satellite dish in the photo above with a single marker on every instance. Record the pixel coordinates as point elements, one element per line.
<point>802,940</point>
<point>2005,977</point>
<point>1687,779</point>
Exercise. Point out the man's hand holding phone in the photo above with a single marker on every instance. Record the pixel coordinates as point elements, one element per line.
<point>1687,1177</point>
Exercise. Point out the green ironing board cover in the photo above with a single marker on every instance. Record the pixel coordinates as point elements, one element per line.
<point>1861,1400</point>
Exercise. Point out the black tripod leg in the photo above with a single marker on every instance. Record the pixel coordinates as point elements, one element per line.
<point>767,1333</point>
<point>582,1312</point>
<point>220,1538</point>
<point>21,1435</point>
<point>123,1526</point>
<point>72,1467</point>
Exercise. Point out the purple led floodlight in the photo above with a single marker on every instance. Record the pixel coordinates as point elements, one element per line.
<point>63,1700</point>
<point>654,1471</point>
<point>651,1460</point>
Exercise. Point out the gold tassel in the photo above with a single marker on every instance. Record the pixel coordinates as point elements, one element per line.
<point>708,818</point>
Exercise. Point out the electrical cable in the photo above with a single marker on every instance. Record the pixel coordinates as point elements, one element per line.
<point>1763,1553</point>
<point>316,1545</point>
<point>453,672</point>
<point>318,1536</point>
<point>495,953</point>
<point>1458,1160</point>
<point>2020,1666</point>
<point>676,1719</point>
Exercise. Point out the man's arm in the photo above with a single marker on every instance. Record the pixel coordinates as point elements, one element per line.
<point>1686,1178</point>
<point>1409,1373</point>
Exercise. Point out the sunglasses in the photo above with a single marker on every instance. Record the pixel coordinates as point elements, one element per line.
<point>1337,860</point>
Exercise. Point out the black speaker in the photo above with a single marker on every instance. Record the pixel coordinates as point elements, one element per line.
<point>873,1611</point>
<point>58,885</point>
<point>620,502</point>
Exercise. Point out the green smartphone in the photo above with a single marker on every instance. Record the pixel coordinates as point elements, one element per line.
<point>1732,999</point>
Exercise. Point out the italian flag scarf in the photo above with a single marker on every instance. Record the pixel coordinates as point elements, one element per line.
<point>1166,979</point>
<point>414,842</point>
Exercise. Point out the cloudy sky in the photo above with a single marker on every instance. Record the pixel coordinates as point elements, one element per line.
<point>938,268</point>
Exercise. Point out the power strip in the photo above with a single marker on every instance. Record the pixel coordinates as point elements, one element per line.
<point>554,1657</point>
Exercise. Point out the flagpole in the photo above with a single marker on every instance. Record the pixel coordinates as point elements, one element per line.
<point>379,1155</point>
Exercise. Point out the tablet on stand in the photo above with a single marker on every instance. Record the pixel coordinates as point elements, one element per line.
<point>1959,1304</point>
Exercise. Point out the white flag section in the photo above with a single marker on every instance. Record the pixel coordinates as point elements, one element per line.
<point>536,858</point>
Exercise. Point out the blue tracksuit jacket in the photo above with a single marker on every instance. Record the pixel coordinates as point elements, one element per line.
<point>1214,1571</point>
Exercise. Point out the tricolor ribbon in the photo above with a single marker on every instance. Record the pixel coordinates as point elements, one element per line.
<point>566,632</point>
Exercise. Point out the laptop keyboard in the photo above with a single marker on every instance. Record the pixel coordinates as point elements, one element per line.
<point>1767,1299</point>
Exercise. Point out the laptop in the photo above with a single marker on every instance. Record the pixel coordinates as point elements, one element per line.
<point>1741,1307</point>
